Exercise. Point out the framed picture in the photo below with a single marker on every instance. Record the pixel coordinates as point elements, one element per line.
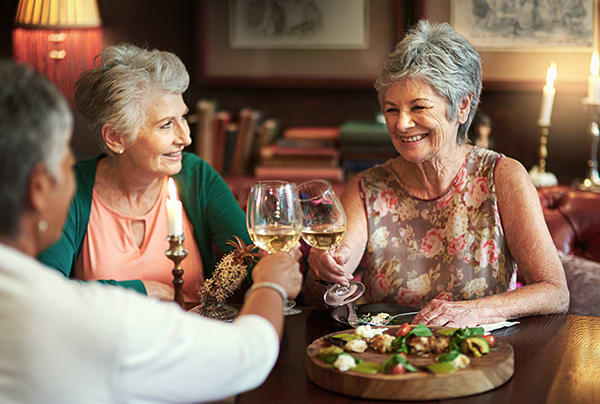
<point>515,64</point>
<point>231,54</point>
<point>299,24</point>
<point>526,25</point>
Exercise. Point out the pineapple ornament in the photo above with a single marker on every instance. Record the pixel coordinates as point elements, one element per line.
<point>226,279</point>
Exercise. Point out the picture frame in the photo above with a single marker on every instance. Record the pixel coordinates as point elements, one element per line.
<point>299,24</point>
<point>517,25</point>
<point>218,64</point>
<point>521,69</point>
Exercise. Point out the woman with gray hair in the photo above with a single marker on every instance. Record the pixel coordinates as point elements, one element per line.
<point>117,226</point>
<point>68,342</point>
<point>445,223</point>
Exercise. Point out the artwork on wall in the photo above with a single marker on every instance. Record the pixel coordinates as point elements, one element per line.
<point>525,25</point>
<point>299,24</point>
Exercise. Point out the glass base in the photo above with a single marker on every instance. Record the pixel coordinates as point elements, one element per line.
<point>218,310</point>
<point>338,295</point>
<point>289,310</point>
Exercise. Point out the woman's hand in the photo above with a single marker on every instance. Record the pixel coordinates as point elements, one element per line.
<point>281,268</point>
<point>451,314</point>
<point>159,290</point>
<point>328,266</point>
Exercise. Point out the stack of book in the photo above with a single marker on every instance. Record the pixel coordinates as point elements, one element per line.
<point>363,145</point>
<point>303,153</point>
<point>230,147</point>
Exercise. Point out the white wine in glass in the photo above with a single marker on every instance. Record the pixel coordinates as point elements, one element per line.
<point>323,227</point>
<point>274,221</point>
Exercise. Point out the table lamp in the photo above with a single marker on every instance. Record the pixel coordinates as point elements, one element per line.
<point>58,38</point>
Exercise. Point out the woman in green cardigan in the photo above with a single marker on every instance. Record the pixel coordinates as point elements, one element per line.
<point>117,225</point>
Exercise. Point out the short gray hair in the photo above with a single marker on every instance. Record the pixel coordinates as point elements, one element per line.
<point>118,88</point>
<point>35,122</point>
<point>442,58</point>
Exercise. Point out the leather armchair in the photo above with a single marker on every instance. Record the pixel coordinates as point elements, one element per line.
<point>573,218</point>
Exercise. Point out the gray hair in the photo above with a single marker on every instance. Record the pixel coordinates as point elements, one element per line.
<point>35,123</point>
<point>118,89</point>
<point>442,58</point>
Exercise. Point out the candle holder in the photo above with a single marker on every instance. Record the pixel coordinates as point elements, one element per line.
<point>592,180</point>
<point>538,174</point>
<point>177,253</point>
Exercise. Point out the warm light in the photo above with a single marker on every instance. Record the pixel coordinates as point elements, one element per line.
<point>172,190</point>
<point>551,75</point>
<point>594,64</point>
<point>57,14</point>
<point>58,38</point>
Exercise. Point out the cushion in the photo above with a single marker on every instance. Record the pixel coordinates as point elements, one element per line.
<point>583,279</point>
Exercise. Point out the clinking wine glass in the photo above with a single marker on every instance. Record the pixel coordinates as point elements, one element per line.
<point>323,227</point>
<point>274,221</point>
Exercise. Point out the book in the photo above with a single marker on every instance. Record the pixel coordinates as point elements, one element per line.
<point>331,133</point>
<point>364,133</point>
<point>231,131</point>
<point>299,174</point>
<point>220,123</point>
<point>243,145</point>
<point>276,155</point>
<point>203,142</point>
<point>266,133</point>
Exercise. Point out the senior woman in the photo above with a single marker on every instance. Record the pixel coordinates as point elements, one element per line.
<point>445,223</point>
<point>117,226</point>
<point>64,342</point>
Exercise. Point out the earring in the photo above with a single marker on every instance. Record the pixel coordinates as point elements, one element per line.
<point>42,225</point>
<point>121,151</point>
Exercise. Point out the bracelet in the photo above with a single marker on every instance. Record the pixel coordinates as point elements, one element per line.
<point>271,285</point>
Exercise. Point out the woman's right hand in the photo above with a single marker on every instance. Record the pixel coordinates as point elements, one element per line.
<point>328,266</point>
<point>281,268</point>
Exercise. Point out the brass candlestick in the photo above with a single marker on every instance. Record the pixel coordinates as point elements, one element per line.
<point>592,180</point>
<point>177,253</point>
<point>538,174</point>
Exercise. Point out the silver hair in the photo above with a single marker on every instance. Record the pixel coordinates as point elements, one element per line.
<point>117,90</point>
<point>35,125</point>
<point>442,58</point>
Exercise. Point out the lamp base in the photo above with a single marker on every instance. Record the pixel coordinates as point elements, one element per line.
<point>588,185</point>
<point>542,178</point>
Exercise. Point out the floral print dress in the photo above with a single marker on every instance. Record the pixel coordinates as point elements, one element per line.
<point>451,248</point>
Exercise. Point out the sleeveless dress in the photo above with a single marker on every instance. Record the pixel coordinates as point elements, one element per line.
<point>452,247</point>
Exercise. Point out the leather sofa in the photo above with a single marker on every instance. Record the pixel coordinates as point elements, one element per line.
<point>573,218</point>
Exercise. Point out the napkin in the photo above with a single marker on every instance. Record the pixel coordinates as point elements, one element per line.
<point>495,326</point>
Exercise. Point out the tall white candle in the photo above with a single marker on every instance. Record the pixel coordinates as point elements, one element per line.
<point>548,96</point>
<point>594,80</point>
<point>174,211</point>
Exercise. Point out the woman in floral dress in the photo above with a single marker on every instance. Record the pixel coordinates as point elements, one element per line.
<point>444,225</point>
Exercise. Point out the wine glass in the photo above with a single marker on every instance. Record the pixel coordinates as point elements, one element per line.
<point>273,220</point>
<point>323,227</point>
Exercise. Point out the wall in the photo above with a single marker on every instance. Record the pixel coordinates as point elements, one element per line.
<point>173,25</point>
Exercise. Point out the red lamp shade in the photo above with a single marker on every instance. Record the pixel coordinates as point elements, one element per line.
<point>58,38</point>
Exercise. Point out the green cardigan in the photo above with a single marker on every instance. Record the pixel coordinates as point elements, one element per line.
<point>208,202</point>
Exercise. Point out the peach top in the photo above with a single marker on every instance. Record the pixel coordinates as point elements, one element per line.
<point>110,252</point>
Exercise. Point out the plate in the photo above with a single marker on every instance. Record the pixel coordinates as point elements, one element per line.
<point>340,314</point>
<point>481,375</point>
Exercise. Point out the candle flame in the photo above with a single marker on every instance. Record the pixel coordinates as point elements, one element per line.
<point>551,75</point>
<point>172,190</point>
<point>594,64</point>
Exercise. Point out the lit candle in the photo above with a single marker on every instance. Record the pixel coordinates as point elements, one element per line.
<point>548,96</point>
<point>594,80</point>
<point>174,211</point>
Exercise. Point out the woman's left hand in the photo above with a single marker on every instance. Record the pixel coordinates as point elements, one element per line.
<point>450,314</point>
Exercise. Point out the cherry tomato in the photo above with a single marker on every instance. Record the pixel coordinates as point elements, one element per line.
<point>491,340</point>
<point>403,330</point>
<point>398,369</point>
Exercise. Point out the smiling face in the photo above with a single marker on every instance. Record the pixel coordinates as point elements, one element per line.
<point>416,118</point>
<point>160,141</point>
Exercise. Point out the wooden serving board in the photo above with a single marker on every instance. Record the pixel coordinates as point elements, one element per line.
<point>481,375</point>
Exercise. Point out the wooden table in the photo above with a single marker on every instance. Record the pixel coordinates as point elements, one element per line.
<point>557,360</point>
